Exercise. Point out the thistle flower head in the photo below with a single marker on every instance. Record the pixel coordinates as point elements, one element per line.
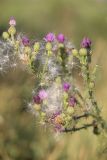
<point>43,94</point>
<point>86,43</point>
<point>50,37</point>
<point>72,101</point>
<point>12,21</point>
<point>66,86</point>
<point>25,41</point>
<point>61,38</point>
<point>37,99</point>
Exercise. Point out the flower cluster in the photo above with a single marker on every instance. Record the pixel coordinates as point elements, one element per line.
<point>57,100</point>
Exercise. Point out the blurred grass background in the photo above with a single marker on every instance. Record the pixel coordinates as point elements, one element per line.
<point>20,137</point>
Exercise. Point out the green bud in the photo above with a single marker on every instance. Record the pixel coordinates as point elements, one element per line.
<point>37,107</point>
<point>43,115</point>
<point>27,50</point>
<point>68,118</point>
<point>83,51</point>
<point>63,116</point>
<point>48,46</point>
<point>5,35</point>
<point>75,52</point>
<point>70,110</point>
<point>12,30</point>
<point>65,95</point>
<point>58,80</point>
<point>36,47</point>
<point>91,85</point>
<point>61,45</point>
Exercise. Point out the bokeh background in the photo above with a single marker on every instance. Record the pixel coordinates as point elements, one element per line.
<point>20,137</point>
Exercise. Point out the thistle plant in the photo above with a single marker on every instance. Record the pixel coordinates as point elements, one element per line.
<point>58,102</point>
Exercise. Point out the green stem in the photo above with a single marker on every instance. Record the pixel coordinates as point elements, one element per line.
<point>90,93</point>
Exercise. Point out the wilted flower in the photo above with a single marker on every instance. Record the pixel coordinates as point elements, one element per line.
<point>58,119</point>
<point>86,43</point>
<point>50,37</point>
<point>61,38</point>
<point>25,41</point>
<point>66,86</point>
<point>12,21</point>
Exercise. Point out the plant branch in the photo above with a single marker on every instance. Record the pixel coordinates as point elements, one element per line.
<point>74,129</point>
<point>85,115</point>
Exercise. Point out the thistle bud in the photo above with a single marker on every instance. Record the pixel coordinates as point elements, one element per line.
<point>36,46</point>
<point>48,46</point>
<point>63,115</point>
<point>75,52</point>
<point>12,30</point>
<point>83,51</point>
<point>61,45</point>
<point>68,118</point>
<point>43,115</point>
<point>5,35</point>
<point>91,85</point>
<point>27,50</point>
<point>37,107</point>
<point>70,110</point>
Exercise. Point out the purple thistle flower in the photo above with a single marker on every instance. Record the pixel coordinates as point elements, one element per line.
<point>72,101</point>
<point>25,41</point>
<point>43,94</point>
<point>12,21</point>
<point>61,38</point>
<point>37,99</point>
<point>86,43</point>
<point>66,86</point>
<point>50,37</point>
